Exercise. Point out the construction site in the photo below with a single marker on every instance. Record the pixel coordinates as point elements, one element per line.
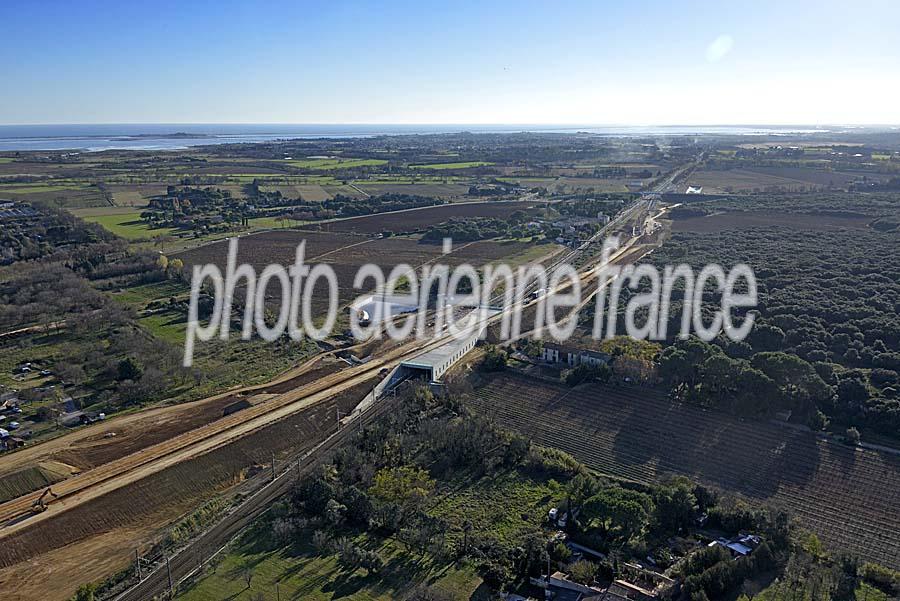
<point>131,476</point>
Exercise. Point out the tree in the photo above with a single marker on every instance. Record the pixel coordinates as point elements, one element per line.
<point>679,364</point>
<point>85,592</point>
<point>313,492</point>
<point>750,588</point>
<point>129,369</point>
<point>495,359</point>
<point>372,562</point>
<point>334,512</point>
<point>532,347</point>
<point>818,421</point>
<point>623,510</point>
<point>70,373</point>
<point>675,506</point>
<point>755,393</point>
<point>583,571</point>
<point>358,506</point>
<point>797,379</point>
<point>321,541</point>
<point>559,552</point>
<point>813,546</point>
<point>403,486</point>
<point>852,393</point>
<point>466,528</point>
<point>160,240</point>
<point>580,489</point>
<point>765,337</point>
<point>588,373</point>
<point>248,574</point>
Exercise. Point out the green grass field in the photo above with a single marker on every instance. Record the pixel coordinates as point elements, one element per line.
<point>41,188</point>
<point>335,163</point>
<point>462,165</point>
<point>139,296</point>
<point>122,221</point>
<point>496,506</point>
<point>302,574</point>
<point>6,160</point>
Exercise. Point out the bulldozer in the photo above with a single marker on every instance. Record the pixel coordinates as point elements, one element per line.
<point>39,505</point>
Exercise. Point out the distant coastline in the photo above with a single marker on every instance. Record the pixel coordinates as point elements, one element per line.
<point>161,136</point>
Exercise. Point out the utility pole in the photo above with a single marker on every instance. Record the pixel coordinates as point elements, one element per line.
<point>169,572</point>
<point>273,466</point>
<point>137,563</point>
<point>277,593</point>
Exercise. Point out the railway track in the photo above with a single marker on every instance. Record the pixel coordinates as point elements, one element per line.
<point>16,514</point>
<point>195,555</point>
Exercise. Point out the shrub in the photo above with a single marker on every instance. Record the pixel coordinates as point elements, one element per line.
<point>880,577</point>
<point>583,572</point>
<point>495,359</point>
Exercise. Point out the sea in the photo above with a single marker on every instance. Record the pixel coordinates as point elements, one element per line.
<point>177,136</point>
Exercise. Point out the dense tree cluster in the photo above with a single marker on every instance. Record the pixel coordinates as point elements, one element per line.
<point>344,206</point>
<point>95,348</point>
<point>387,482</point>
<point>826,343</point>
<point>52,232</point>
<point>590,205</point>
<point>836,204</point>
<point>470,228</point>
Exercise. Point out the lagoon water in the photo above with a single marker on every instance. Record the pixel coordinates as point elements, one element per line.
<point>164,136</point>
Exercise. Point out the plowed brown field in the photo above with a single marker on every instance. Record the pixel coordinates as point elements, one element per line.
<point>848,496</point>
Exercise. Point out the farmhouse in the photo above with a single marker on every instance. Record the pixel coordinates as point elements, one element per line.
<point>555,353</point>
<point>738,546</point>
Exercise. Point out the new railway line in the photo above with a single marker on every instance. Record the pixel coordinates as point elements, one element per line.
<point>16,515</point>
<point>172,571</point>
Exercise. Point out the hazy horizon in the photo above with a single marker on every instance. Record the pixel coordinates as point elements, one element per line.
<point>177,136</point>
<point>545,124</point>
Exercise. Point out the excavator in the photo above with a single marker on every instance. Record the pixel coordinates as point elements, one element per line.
<point>39,506</point>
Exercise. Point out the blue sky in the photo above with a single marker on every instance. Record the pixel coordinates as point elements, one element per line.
<point>622,62</point>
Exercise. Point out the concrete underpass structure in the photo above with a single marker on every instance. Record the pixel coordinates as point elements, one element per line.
<point>435,363</point>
